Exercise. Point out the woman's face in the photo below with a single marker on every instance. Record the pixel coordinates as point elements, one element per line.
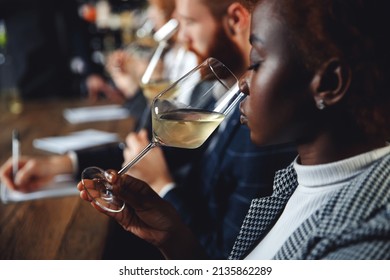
<point>279,104</point>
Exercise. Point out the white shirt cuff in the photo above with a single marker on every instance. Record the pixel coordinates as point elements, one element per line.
<point>167,188</point>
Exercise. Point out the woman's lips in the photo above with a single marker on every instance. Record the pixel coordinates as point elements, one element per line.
<point>243,118</point>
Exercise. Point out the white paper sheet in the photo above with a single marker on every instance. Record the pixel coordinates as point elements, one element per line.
<point>95,113</point>
<point>75,141</point>
<point>63,185</point>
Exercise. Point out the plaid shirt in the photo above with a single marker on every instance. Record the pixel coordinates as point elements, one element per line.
<point>353,224</point>
<point>214,199</point>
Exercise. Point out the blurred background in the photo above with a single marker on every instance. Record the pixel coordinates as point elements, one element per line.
<point>54,55</point>
<point>49,49</point>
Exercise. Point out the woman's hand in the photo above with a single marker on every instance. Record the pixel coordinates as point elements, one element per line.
<point>148,216</point>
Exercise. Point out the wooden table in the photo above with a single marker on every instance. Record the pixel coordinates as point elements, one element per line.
<point>50,228</point>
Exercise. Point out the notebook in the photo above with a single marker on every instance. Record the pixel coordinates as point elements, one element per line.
<point>75,141</point>
<point>63,185</point>
<point>95,113</point>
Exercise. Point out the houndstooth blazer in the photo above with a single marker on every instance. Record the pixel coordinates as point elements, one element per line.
<point>353,224</point>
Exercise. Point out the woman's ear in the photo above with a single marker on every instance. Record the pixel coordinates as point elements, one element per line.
<point>330,83</point>
<point>237,19</point>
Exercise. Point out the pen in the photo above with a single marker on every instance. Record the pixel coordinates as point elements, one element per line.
<point>15,151</point>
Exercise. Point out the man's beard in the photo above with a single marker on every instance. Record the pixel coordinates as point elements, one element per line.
<point>223,49</point>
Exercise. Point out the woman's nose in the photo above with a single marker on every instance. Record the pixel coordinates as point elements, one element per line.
<point>244,83</point>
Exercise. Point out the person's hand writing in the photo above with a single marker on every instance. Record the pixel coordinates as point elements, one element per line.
<point>34,173</point>
<point>152,168</point>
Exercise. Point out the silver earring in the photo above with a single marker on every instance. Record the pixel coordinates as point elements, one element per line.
<point>321,104</point>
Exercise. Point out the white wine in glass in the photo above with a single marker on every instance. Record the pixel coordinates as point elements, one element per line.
<point>153,88</point>
<point>184,115</point>
<point>160,74</point>
<point>185,128</point>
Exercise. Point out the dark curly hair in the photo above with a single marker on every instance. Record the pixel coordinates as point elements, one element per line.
<point>356,31</point>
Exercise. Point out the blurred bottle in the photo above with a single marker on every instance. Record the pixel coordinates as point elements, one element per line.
<point>9,94</point>
<point>3,42</point>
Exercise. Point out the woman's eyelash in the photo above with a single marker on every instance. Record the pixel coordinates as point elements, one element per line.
<point>254,66</point>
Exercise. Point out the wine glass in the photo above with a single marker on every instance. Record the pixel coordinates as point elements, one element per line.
<point>164,68</point>
<point>184,115</point>
<point>157,76</point>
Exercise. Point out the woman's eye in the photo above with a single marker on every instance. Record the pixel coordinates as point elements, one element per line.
<point>254,66</point>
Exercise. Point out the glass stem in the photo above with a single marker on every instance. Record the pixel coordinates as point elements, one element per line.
<point>138,157</point>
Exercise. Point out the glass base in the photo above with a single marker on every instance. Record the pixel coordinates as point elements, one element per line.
<point>99,190</point>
